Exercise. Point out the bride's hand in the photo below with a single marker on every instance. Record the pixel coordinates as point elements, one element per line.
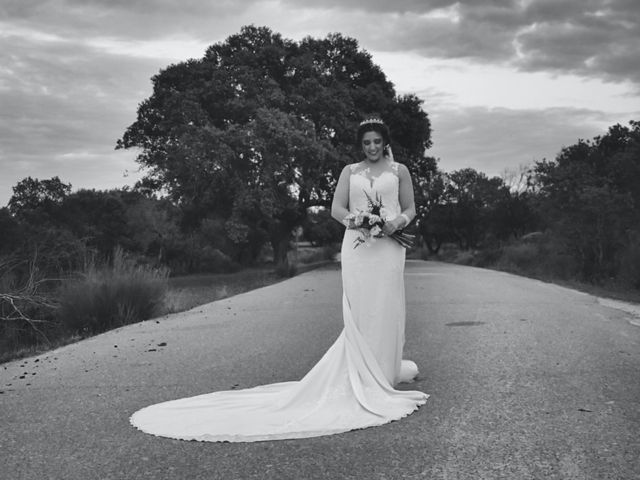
<point>350,221</point>
<point>390,226</point>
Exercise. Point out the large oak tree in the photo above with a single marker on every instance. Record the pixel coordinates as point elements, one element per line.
<point>257,131</point>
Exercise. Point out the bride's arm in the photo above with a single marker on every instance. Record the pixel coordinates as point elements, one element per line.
<point>340,204</point>
<point>407,202</point>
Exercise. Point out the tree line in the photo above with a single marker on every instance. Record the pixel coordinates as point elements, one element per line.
<point>244,146</point>
<point>574,217</point>
<point>584,204</point>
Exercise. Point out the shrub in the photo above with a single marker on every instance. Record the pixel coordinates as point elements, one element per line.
<point>487,257</point>
<point>554,259</point>
<point>541,256</point>
<point>193,254</point>
<point>630,265</point>
<point>286,270</point>
<point>425,254</point>
<point>308,255</point>
<point>111,296</point>
<point>463,257</point>
<point>448,252</point>
<point>320,229</point>
<point>519,257</point>
<point>330,251</point>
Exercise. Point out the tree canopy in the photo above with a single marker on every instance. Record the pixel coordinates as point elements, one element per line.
<point>258,130</point>
<point>591,195</point>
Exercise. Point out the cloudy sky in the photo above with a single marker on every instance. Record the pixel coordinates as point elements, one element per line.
<point>505,82</point>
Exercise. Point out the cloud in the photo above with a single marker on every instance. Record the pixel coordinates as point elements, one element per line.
<point>494,139</point>
<point>440,7</point>
<point>124,19</point>
<point>73,71</point>
<point>599,38</point>
<point>64,106</point>
<point>591,38</point>
<point>60,85</point>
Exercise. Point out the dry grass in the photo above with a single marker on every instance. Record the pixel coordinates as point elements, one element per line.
<point>107,298</point>
<point>540,261</point>
<point>189,291</point>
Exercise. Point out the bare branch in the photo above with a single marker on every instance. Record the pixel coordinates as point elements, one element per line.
<point>13,303</point>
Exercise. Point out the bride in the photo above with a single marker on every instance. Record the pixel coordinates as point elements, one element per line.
<point>352,386</point>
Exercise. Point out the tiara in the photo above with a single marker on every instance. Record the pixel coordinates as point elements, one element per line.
<point>371,120</point>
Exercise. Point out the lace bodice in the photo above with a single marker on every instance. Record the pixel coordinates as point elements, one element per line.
<point>386,185</point>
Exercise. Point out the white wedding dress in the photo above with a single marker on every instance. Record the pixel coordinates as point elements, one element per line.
<point>351,387</point>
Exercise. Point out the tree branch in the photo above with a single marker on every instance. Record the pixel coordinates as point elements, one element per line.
<point>13,304</point>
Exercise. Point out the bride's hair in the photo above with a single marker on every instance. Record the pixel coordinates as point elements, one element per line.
<point>373,124</point>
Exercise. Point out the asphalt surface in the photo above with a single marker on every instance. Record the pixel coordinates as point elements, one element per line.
<point>528,380</point>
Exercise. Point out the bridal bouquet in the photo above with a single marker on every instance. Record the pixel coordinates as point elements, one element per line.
<point>370,222</point>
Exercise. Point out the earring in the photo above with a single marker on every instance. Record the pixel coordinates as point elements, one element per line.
<point>389,153</point>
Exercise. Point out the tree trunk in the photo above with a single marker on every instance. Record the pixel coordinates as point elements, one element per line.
<point>433,243</point>
<point>280,248</point>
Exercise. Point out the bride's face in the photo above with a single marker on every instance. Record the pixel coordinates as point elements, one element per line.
<point>372,146</point>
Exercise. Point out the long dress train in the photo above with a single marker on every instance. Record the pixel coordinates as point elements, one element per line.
<point>351,386</point>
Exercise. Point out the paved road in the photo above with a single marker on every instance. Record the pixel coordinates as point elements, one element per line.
<point>527,381</point>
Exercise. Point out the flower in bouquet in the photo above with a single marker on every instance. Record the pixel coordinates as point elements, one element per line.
<point>375,230</point>
<point>369,223</point>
